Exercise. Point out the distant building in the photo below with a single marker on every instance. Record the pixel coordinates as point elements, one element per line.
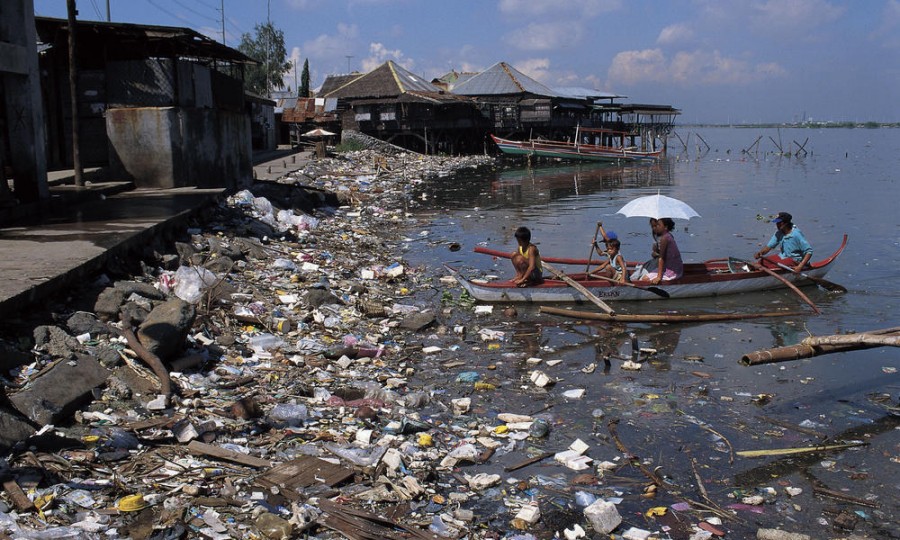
<point>163,106</point>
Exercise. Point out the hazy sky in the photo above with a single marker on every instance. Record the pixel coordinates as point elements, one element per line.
<point>717,60</point>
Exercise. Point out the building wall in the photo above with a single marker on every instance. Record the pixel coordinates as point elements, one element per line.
<point>168,147</point>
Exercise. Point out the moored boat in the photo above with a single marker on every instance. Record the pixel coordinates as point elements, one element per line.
<point>711,278</point>
<point>579,150</point>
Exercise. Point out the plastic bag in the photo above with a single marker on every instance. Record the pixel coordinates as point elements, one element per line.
<point>191,281</point>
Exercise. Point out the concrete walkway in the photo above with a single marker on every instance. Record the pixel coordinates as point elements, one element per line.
<point>64,242</point>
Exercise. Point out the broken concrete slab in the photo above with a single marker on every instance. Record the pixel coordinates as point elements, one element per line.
<point>60,390</point>
<point>13,428</point>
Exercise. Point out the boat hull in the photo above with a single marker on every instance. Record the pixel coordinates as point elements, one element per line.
<point>713,278</point>
<point>568,151</point>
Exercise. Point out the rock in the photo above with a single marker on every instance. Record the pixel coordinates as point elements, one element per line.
<point>133,313</point>
<point>141,289</point>
<point>164,330</point>
<point>603,516</point>
<point>55,342</point>
<point>11,357</point>
<point>318,297</point>
<point>185,252</point>
<point>57,393</point>
<point>417,321</point>
<point>82,322</point>
<point>220,265</point>
<point>13,428</point>
<point>108,303</point>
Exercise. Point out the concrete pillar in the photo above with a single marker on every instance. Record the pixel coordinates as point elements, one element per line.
<point>21,102</point>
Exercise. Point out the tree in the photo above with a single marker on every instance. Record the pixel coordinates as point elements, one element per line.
<point>267,48</point>
<point>304,80</point>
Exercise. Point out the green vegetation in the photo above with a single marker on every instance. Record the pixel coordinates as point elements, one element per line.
<point>267,48</point>
<point>304,80</point>
<point>349,146</point>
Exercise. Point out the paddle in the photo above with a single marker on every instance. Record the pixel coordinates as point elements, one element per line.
<point>824,283</point>
<point>655,290</point>
<point>783,280</point>
<point>578,287</point>
<point>593,245</point>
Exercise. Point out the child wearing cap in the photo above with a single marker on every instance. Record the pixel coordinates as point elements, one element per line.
<point>615,266</point>
<point>795,249</point>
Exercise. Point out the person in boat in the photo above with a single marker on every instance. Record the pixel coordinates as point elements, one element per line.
<point>527,260</point>
<point>669,263</point>
<point>795,249</point>
<point>615,266</point>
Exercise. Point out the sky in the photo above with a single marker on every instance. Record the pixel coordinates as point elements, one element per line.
<point>719,61</point>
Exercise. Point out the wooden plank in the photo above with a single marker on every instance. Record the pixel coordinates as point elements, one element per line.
<point>580,288</point>
<point>227,455</point>
<point>303,472</point>
<point>22,502</point>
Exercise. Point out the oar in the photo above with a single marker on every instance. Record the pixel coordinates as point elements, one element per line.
<point>824,283</point>
<point>654,290</point>
<point>579,287</point>
<point>783,280</point>
<point>593,245</point>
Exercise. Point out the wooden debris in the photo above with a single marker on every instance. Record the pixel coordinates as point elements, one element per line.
<point>18,497</point>
<point>301,473</point>
<point>227,455</point>
<point>529,461</point>
<point>800,450</point>
<point>825,492</point>
<point>663,317</point>
<point>359,525</point>
<point>813,346</point>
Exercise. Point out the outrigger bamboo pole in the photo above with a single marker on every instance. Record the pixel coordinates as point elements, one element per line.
<point>822,345</point>
<point>664,317</point>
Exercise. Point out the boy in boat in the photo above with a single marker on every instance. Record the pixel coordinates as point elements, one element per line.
<point>795,250</point>
<point>527,260</point>
<point>615,266</point>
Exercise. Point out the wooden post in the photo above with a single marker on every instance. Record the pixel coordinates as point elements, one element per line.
<point>73,93</point>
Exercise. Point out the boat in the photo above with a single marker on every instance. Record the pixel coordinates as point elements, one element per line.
<point>715,277</point>
<point>580,151</point>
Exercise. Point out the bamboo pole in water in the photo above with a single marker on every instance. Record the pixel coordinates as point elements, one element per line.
<point>816,346</point>
<point>664,317</point>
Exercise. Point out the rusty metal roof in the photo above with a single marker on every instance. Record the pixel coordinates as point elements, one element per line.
<point>502,79</point>
<point>387,80</point>
<point>126,41</point>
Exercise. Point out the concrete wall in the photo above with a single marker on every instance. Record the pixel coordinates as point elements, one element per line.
<point>20,96</point>
<point>167,147</point>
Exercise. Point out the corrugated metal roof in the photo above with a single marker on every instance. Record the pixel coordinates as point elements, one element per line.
<point>387,80</point>
<point>584,93</point>
<point>502,79</point>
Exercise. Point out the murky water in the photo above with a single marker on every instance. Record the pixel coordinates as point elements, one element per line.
<point>692,390</point>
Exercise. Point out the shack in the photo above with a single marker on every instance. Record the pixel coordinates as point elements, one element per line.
<point>161,106</point>
<point>397,106</point>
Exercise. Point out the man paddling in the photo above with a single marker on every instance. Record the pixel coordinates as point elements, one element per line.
<point>795,249</point>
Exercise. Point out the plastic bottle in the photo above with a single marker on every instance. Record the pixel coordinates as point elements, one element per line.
<point>274,527</point>
<point>288,415</point>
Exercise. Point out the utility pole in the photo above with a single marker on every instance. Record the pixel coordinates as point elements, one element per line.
<point>108,16</point>
<point>348,56</point>
<point>73,94</point>
<point>268,43</point>
<point>223,22</point>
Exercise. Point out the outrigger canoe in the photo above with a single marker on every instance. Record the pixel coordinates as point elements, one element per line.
<point>711,278</point>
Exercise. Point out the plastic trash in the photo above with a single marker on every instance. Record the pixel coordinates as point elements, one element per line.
<point>584,499</point>
<point>364,457</point>
<point>274,527</point>
<point>266,342</point>
<point>288,415</point>
<point>192,281</point>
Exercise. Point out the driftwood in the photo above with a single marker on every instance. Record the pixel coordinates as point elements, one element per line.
<point>664,317</point>
<point>815,346</point>
<point>579,287</point>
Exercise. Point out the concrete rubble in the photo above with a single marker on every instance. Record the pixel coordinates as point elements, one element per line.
<point>291,343</point>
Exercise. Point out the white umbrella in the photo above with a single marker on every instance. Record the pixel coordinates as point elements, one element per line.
<point>658,206</point>
<point>318,132</point>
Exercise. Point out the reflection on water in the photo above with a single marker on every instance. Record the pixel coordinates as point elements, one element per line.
<point>847,183</point>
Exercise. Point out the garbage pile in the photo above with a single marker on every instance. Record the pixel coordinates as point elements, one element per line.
<point>261,381</point>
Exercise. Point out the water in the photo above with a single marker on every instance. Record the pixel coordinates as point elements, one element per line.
<point>848,183</point>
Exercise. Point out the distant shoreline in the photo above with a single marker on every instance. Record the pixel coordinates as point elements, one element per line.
<point>804,125</point>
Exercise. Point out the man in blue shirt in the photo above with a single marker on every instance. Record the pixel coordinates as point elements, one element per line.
<point>795,250</point>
